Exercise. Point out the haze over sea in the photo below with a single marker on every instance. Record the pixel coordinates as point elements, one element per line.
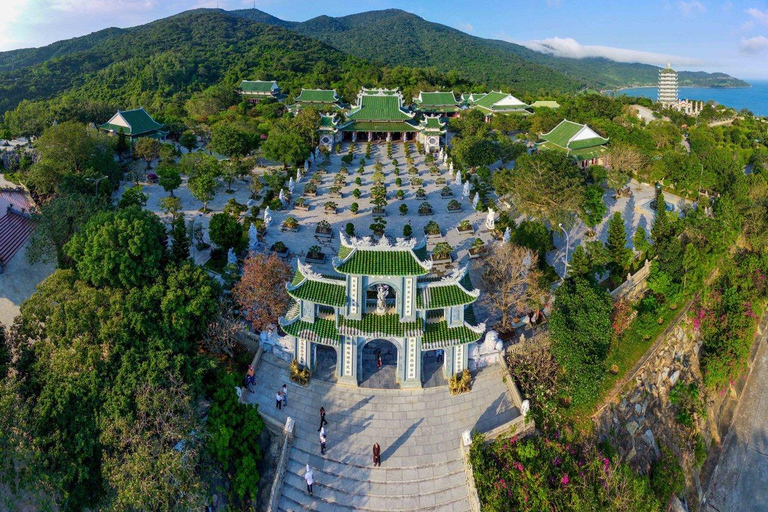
<point>753,98</point>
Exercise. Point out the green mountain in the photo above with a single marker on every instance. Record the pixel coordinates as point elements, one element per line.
<point>396,37</point>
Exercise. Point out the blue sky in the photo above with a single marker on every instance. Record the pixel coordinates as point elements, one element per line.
<point>730,36</point>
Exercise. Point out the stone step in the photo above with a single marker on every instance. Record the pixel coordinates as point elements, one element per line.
<point>295,499</point>
<point>298,460</point>
<point>407,455</point>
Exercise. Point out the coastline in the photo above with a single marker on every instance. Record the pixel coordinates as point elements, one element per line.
<point>624,88</point>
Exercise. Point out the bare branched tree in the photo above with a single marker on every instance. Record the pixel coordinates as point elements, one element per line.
<point>221,336</point>
<point>624,161</point>
<point>510,276</point>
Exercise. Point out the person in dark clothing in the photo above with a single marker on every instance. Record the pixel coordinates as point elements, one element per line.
<point>378,358</point>
<point>376,454</point>
<point>250,380</point>
<point>322,418</point>
<point>322,442</point>
<point>279,400</point>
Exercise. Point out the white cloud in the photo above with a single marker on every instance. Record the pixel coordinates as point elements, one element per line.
<point>468,27</point>
<point>758,16</point>
<point>11,15</point>
<point>754,45</point>
<point>102,6</point>
<point>691,8</point>
<point>569,47</point>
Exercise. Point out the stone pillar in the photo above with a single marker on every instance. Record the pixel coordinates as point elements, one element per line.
<point>354,136</point>
<point>370,136</point>
<point>302,351</point>
<point>347,361</point>
<point>456,359</point>
<point>389,136</point>
<point>411,377</point>
<point>356,304</point>
<point>408,299</point>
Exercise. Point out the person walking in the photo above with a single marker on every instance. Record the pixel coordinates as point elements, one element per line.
<point>250,380</point>
<point>322,442</point>
<point>279,400</point>
<point>376,454</point>
<point>309,477</point>
<point>285,395</point>
<point>322,418</point>
<point>378,359</point>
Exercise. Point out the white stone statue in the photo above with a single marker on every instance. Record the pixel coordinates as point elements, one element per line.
<point>231,257</point>
<point>440,154</point>
<point>490,220</point>
<point>465,192</point>
<point>458,177</point>
<point>306,165</point>
<point>450,167</point>
<point>267,217</point>
<point>298,175</point>
<point>525,407</point>
<point>445,158</point>
<point>282,196</point>
<point>507,235</point>
<point>253,238</point>
<point>382,291</point>
<point>475,200</point>
<point>291,184</point>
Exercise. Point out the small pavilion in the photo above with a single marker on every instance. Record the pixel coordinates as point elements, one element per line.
<point>328,131</point>
<point>322,99</point>
<point>581,142</point>
<point>498,103</point>
<point>437,103</point>
<point>382,291</point>
<point>134,124</point>
<point>257,90</point>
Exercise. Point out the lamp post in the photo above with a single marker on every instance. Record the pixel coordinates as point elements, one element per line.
<point>567,243</point>
<point>97,180</point>
<point>194,244</point>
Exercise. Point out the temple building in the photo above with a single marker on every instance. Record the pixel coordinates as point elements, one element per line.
<point>257,90</point>
<point>322,99</point>
<point>437,103</point>
<point>545,104</point>
<point>498,103</point>
<point>328,131</point>
<point>134,124</point>
<point>667,86</point>
<point>382,291</point>
<point>580,141</point>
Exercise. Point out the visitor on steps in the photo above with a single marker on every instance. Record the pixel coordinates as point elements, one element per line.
<point>279,400</point>
<point>250,380</point>
<point>322,418</point>
<point>285,395</point>
<point>322,442</point>
<point>378,358</point>
<point>310,478</point>
<point>376,454</point>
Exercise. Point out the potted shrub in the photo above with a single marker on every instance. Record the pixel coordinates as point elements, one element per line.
<point>360,170</point>
<point>434,170</point>
<point>421,194</point>
<point>425,209</point>
<point>407,231</point>
<point>378,166</point>
<point>335,191</point>
<point>403,209</point>
<point>379,203</point>
<point>446,192</point>
<point>310,189</point>
<point>349,229</point>
<point>356,193</point>
<point>315,254</point>
<point>378,226</point>
<point>454,206</point>
<point>400,194</point>
<point>340,180</point>
<point>397,171</point>
<point>477,248</point>
<point>279,248</point>
<point>395,162</point>
<point>465,227</point>
<point>347,159</point>
<point>378,177</point>
<point>354,207</point>
<point>416,182</point>
<point>323,229</point>
<point>442,253</point>
<point>432,229</point>
<point>399,182</point>
<point>330,207</point>
<point>344,171</point>
<point>290,224</point>
<point>441,181</point>
<point>358,181</point>
<point>413,171</point>
<point>429,159</point>
<point>301,204</point>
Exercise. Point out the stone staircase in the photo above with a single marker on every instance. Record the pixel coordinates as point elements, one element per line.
<point>418,430</point>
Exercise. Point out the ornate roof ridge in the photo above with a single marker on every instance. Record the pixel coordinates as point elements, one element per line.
<point>310,275</point>
<point>383,244</point>
<point>479,328</point>
<point>452,279</point>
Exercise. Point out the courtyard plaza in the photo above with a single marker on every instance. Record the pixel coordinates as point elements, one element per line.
<point>419,431</point>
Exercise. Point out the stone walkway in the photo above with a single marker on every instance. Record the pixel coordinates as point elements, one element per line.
<point>418,430</point>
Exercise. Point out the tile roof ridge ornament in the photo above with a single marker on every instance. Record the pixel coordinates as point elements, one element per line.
<point>454,279</point>
<point>478,329</point>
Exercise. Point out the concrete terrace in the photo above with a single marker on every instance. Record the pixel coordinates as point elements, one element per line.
<point>418,430</point>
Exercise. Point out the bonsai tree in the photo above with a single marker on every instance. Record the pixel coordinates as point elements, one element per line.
<point>356,193</point>
<point>379,191</point>
<point>429,159</point>
<point>454,205</point>
<point>301,202</point>
<point>399,182</point>
<point>343,170</point>
<point>400,194</point>
<point>379,203</point>
<point>421,193</point>
<point>434,170</point>
<point>349,229</point>
<point>336,189</point>
<point>413,171</point>
<point>279,246</point>
<point>378,177</point>
<point>440,181</point>
<point>465,225</point>
<point>432,228</point>
<point>310,188</point>
<point>358,181</point>
<point>315,252</point>
<point>403,209</point>
<point>396,171</point>
<point>425,208</point>
<point>291,223</point>
<point>354,207</point>
<point>330,206</point>
<point>446,191</point>
<point>378,167</point>
<point>360,170</point>
<point>323,227</point>
<point>378,226</point>
<point>362,160</point>
<point>407,231</point>
<point>395,162</point>
<point>442,251</point>
<point>417,182</point>
<point>478,243</point>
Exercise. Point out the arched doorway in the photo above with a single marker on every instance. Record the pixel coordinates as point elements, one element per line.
<point>373,376</point>
<point>432,374</point>
<point>325,358</point>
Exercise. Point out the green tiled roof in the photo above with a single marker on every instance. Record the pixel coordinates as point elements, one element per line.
<point>380,325</point>
<point>320,331</point>
<point>139,122</point>
<point>397,126</point>
<point>317,96</point>
<point>378,107</point>
<point>439,335</point>
<point>439,109</point>
<point>321,292</point>
<point>436,99</point>
<point>546,103</point>
<point>433,123</point>
<point>432,297</point>
<point>562,134</point>
<point>488,101</point>
<point>372,262</point>
<point>257,86</point>
<point>588,153</point>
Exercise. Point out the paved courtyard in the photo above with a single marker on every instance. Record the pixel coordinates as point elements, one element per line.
<point>418,430</point>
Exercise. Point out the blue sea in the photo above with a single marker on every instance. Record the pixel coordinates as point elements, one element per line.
<point>753,98</point>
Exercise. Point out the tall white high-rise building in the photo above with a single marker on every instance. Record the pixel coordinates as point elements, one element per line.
<point>667,86</point>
